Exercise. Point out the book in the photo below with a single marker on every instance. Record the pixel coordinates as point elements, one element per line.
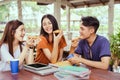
<point>62,63</point>
<point>65,75</point>
<point>60,75</point>
<point>76,70</point>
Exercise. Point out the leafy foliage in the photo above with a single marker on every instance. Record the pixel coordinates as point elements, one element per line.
<point>115,44</point>
<point>3,12</point>
<point>34,7</point>
<point>32,14</point>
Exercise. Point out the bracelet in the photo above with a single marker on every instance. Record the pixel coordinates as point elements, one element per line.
<point>31,47</point>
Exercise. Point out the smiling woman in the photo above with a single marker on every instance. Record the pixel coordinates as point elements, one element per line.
<point>12,47</point>
<point>50,48</point>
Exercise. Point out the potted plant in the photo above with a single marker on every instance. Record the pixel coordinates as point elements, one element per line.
<point>115,49</point>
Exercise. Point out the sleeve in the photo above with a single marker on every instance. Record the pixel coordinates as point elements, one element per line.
<point>43,43</point>
<point>105,48</point>
<point>5,55</point>
<point>63,42</point>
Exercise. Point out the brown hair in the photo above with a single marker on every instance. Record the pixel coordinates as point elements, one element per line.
<point>8,35</point>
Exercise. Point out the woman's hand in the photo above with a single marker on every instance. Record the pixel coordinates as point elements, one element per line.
<point>58,37</point>
<point>30,42</point>
<point>36,41</point>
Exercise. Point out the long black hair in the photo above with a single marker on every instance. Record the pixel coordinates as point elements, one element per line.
<point>54,24</point>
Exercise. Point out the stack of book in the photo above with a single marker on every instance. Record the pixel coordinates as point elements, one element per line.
<point>72,73</point>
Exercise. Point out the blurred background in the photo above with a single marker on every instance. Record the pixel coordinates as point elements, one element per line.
<point>32,14</point>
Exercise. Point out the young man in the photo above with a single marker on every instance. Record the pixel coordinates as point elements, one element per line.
<point>92,50</point>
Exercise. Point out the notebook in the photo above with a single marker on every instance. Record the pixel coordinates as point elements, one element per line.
<point>62,63</point>
<point>41,69</point>
<point>72,73</point>
<point>76,70</point>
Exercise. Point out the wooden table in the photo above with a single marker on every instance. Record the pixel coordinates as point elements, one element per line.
<point>25,75</point>
<point>96,74</point>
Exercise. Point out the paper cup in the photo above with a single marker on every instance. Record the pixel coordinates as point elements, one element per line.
<point>14,65</point>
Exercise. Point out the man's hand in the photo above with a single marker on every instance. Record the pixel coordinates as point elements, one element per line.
<point>75,60</point>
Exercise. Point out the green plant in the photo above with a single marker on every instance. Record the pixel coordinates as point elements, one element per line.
<point>115,48</point>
